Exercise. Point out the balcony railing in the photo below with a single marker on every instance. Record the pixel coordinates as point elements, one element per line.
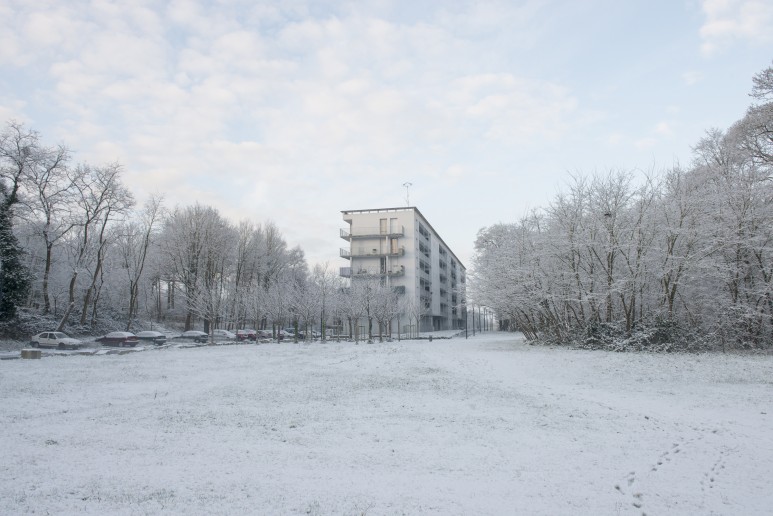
<point>371,273</point>
<point>372,232</point>
<point>373,252</point>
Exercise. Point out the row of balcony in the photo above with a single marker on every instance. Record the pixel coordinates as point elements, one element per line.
<point>347,272</point>
<point>374,252</point>
<point>372,232</point>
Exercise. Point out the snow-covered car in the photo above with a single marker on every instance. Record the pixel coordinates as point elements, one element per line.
<point>246,334</point>
<point>263,334</point>
<point>195,336</point>
<point>54,339</point>
<point>119,338</point>
<point>155,337</point>
<point>223,335</point>
<point>311,334</point>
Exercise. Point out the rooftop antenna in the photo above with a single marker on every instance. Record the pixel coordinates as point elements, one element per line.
<point>407,186</point>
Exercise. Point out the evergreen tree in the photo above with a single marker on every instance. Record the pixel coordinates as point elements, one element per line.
<point>14,277</point>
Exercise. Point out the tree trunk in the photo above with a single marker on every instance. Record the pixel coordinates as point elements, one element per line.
<point>46,275</point>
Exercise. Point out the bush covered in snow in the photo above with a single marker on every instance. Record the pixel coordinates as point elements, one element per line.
<point>653,336</point>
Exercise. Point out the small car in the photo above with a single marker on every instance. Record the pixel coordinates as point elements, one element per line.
<point>223,335</point>
<point>156,337</point>
<point>246,334</point>
<point>195,336</point>
<point>263,334</point>
<point>119,338</point>
<point>54,339</point>
<point>311,334</point>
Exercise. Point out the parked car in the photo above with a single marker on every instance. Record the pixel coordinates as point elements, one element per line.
<point>195,336</point>
<point>119,338</point>
<point>246,335</point>
<point>311,334</point>
<point>155,337</point>
<point>263,334</point>
<point>54,339</point>
<point>223,335</point>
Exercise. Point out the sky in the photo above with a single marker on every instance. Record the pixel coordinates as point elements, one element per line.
<point>293,111</point>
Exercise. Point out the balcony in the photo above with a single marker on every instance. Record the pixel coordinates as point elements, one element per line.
<point>371,253</point>
<point>371,273</point>
<point>372,232</point>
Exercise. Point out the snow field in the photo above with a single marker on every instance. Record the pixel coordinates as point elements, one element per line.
<point>487,425</point>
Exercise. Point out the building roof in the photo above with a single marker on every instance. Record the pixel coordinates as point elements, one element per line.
<point>406,208</point>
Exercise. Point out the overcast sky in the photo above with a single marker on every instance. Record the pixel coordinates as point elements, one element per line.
<point>295,110</point>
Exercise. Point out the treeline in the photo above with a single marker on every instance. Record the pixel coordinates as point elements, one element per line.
<point>75,248</point>
<point>680,260</point>
<point>74,245</point>
<point>76,252</point>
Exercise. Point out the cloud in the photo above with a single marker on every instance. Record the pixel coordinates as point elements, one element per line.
<point>272,110</point>
<point>730,20</point>
<point>663,128</point>
<point>645,143</point>
<point>692,77</point>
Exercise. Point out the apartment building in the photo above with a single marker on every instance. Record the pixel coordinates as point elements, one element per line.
<point>402,249</point>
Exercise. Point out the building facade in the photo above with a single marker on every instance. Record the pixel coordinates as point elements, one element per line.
<point>400,248</point>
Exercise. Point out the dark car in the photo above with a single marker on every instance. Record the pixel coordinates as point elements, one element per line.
<point>154,337</point>
<point>195,336</point>
<point>119,338</point>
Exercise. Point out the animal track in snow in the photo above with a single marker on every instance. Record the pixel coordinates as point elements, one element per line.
<point>637,497</point>
<point>710,476</point>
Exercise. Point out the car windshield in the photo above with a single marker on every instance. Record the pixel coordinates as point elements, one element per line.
<point>57,335</point>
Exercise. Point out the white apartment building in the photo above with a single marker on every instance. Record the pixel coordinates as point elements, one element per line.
<point>401,248</point>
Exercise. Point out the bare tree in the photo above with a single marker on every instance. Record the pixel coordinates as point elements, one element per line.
<point>385,307</point>
<point>50,205</point>
<point>353,307</point>
<point>194,240</point>
<point>104,196</point>
<point>134,243</point>
<point>327,286</point>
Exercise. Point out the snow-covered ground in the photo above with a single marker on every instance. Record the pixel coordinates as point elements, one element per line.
<point>487,425</point>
